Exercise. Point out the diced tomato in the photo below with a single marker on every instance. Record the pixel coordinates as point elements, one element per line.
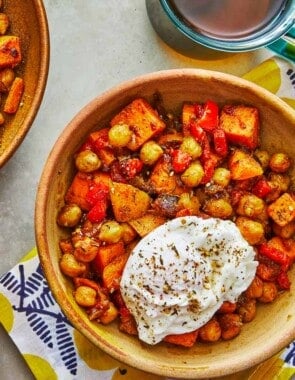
<point>261,188</point>
<point>180,160</point>
<point>116,174</point>
<point>209,118</point>
<point>130,167</point>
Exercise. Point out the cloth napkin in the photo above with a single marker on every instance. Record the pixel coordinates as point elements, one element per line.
<point>53,349</point>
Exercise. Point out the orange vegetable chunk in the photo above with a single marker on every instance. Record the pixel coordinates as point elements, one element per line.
<point>243,166</point>
<point>10,51</point>
<point>15,94</point>
<point>185,340</point>
<point>78,190</point>
<point>107,253</point>
<point>128,202</point>
<point>112,273</point>
<point>282,210</point>
<point>143,121</point>
<point>241,125</point>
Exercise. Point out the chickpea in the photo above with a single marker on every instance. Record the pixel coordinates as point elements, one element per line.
<point>255,289</point>
<point>279,162</point>
<point>128,233</point>
<point>190,146</point>
<point>221,177</point>
<point>86,249</point>
<point>66,246</point>
<point>193,175</point>
<point>211,331</point>
<point>230,324</point>
<point>269,292</point>
<point>87,161</point>
<point>267,272</point>
<point>119,135</point>
<point>85,296</point>
<point>71,267</point>
<point>250,205</point>
<point>109,315</point>
<point>218,208</point>
<point>150,152</point>
<point>251,230</point>
<point>227,307</point>
<point>7,77</point>
<point>263,158</point>
<point>69,215</point>
<point>186,201</point>
<point>279,181</point>
<point>247,310</point>
<point>110,232</point>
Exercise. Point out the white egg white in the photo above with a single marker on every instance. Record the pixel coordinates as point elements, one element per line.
<point>179,275</point>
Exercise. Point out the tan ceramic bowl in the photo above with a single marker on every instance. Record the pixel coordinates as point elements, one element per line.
<point>28,21</point>
<point>274,326</point>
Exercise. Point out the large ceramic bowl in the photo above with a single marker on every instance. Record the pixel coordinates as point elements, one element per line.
<point>274,326</point>
<point>28,21</point>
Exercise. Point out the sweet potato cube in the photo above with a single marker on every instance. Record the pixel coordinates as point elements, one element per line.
<point>128,202</point>
<point>106,254</point>
<point>282,210</point>
<point>142,119</point>
<point>107,156</point>
<point>147,223</point>
<point>241,125</point>
<point>162,181</point>
<point>10,51</point>
<point>78,190</point>
<point>188,113</point>
<point>127,322</point>
<point>243,166</point>
<point>185,340</point>
<point>112,273</point>
<point>102,177</point>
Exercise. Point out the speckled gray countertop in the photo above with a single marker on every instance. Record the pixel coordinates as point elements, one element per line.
<point>95,44</point>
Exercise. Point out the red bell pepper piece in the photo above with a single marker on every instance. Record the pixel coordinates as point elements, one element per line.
<point>261,188</point>
<point>283,280</point>
<point>275,255</point>
<point>98,212</point>
<point>180,160</point>
<point>209,119</point>
<point>97,198</point>
<point>98,192</point>
<point>220,142</point>
<point>197,132</point>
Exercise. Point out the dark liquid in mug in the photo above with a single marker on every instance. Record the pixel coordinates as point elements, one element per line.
<point>227,19</point>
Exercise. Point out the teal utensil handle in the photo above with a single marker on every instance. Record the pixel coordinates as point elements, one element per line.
<point>285,46</point>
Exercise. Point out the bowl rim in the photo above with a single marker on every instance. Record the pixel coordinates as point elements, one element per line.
<point>50,169</point>
<point>41,84</point>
